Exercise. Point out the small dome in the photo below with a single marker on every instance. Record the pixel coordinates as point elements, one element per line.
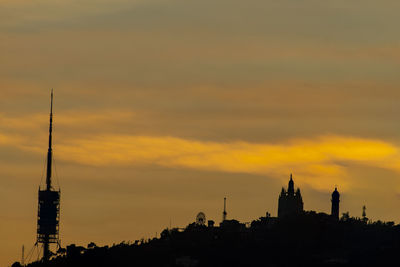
<point>335,193</point>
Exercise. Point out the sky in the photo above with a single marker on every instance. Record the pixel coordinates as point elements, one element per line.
<point>164,107</point>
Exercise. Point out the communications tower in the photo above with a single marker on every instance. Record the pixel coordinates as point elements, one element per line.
<point>49,203</point>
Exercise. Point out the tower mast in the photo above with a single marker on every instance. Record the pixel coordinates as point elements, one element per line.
<point>23,256</point>
<point>50,150</point>
<point>46,243</point>
<point>49,203</point>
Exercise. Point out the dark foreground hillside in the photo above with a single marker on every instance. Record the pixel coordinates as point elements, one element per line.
<point>309,239</point>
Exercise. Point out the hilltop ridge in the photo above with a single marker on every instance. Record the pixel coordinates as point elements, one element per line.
<point>306,239</point>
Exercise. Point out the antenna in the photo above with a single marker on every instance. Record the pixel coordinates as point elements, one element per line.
<point>224,213</point>
<point>50,149</point>
<point>23,256</point>
<point>49,203</point>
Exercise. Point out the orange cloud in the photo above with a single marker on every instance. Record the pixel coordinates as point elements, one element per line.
<point>319,162</point>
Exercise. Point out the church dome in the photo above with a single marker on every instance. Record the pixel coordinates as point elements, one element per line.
<point>335,193</point>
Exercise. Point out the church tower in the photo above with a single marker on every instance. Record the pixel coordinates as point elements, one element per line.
<point>290,202</point>
<point>335,204</point>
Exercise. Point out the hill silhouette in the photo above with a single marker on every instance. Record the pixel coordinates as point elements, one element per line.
<point>306,239</point>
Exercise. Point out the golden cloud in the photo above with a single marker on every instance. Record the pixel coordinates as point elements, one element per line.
<point>319,162</point>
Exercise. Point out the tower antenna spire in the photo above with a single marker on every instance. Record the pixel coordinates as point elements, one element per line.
<point>49,203</point>
<point>23,256</point>
<point>50,149</point>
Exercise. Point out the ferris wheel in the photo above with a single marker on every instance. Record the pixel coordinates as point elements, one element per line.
<point>201,219</point>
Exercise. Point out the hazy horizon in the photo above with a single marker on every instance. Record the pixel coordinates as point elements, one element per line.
<point>163,108</point>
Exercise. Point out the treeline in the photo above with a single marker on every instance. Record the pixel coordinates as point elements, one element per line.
<point>308,239</point>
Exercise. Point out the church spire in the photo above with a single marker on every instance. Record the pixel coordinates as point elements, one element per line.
<point>50,150</point>
<point>290,202</point>
<point>291,186</point>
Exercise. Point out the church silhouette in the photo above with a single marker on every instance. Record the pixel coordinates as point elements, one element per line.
<point>290,202</point>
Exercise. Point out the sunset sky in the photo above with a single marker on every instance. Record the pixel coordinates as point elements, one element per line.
<point>164,107</point>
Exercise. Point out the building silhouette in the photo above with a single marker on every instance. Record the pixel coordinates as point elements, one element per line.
<point>290,202</point>
<point>335,204</point>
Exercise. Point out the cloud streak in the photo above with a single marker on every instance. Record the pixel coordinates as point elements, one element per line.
<point>319,162</point>
<point>310,159</point>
